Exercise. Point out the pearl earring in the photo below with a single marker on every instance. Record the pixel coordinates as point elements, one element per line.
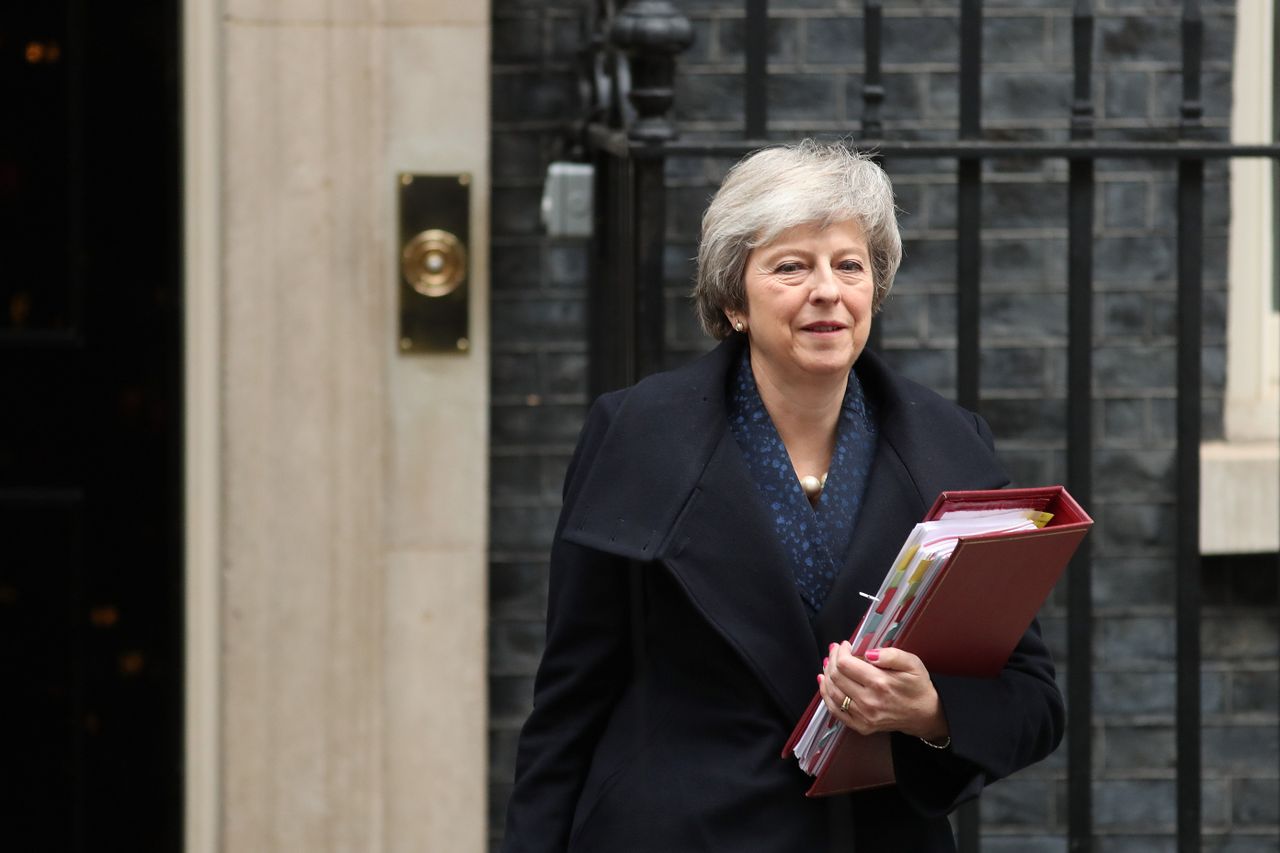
<point>739,326</point>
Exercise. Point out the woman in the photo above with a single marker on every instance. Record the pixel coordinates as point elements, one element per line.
<point>719,522</point>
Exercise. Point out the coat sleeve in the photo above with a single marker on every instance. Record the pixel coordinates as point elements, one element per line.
<point>585,666</point>
<point>998,725</point>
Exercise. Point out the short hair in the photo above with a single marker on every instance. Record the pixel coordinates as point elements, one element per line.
<point>777,188</point>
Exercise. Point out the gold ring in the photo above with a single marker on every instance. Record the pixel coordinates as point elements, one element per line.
<point>844,706</point>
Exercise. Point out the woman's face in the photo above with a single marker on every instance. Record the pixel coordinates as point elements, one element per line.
<point>809,296</point>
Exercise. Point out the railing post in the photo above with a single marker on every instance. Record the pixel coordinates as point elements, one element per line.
<point>1190,257</point>
<point>650,33</point>
<point>1080,441</point>
<point>968,276</point>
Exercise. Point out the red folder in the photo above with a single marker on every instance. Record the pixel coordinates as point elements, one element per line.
<point>987,594</point>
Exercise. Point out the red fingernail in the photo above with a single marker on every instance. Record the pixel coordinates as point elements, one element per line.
<point>830,647</point>
<point>824,662</point>
<point>819,678</point>
<point>873,655</point>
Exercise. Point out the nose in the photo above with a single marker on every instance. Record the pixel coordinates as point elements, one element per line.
<point>825,287</point>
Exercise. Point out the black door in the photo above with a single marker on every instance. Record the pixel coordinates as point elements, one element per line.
<point>90,427</point>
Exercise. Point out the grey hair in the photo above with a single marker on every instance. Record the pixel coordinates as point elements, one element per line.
<point>778,188</point>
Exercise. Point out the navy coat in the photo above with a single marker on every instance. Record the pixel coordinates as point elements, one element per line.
<point>666,735</point>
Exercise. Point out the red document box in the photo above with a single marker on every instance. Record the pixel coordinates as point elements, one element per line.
<point>985,597</point>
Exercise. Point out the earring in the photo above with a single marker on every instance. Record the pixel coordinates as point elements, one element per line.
<point>739,326</point>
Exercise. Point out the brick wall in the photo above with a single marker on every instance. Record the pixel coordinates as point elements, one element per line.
<point>539,318</point>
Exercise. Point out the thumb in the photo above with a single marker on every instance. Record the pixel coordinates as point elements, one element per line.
<point>895,659</point>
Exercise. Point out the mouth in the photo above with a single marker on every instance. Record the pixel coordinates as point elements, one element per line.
<point>823,328</point>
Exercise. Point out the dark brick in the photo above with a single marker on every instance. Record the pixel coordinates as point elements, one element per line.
<point>1134,803</point>
<point>1135,843</point>
<point>1239,843</point>
<point>1138,38</point>
<point>1215,99</point>
<point>1026,467</point>
<point>939,206</point>
<point>685,206</point>
<point>539,96</point>
<point>904,98</point>
<point>1125,315</point>
<point>1019,205</point>
<point>522,528</point>
<point>1240,749</point>
<point>1123,420</point>
<point>1129,748</point>
<point>517,590</point>
<point>1023,316</point>
<point>1128,94</point>
<point>902,318</point>
<point>510,699</point>
<point>800,96</point>
<point>682,327</point>
<point>934,369</point>
<point>1014,262</point>
<point>1011,843</point>
<point>1012,367</point>
<point>1124,205</point>
<point>912,41</point>
<point>1018,802</point>
<point>783,40</point>
<point>564,373</point>
<point>1129,527</point>
<point>1024,95</point>
<point>515,265</point>
<point>565,38</point>
<point>1255,801</point>
<point>1134,260</point>
<point>513,477</point>
<point>704,97</point>
<point>519,155</point>
<point>1135,639</point>
<point>513,374</point>
<point>927,261</point>
<point>1219,36</point>
<point>941,317</point>
<point>516,39</point>
<point>1014,39</point>
<point>1239,634</point>
<point>536,424</point>
<point>700,52</point>
<point>503,744</point>
<point>1140,473</point>
<point>567,264</point>
<point>1132,367</point>
<point>536,319</point>
<point>834,40</point>
<point>515,647</point>
<point>1026,419</point>
<point>516,211</point>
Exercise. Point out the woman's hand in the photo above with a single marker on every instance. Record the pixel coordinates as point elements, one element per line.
<point>889,691</point>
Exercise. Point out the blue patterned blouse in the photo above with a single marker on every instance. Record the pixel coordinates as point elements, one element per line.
<point>815,536</point>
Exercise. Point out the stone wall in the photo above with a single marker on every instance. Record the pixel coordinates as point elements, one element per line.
<point>815,46</point>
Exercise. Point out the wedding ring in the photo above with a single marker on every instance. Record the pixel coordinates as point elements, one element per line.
<point>844,706</point>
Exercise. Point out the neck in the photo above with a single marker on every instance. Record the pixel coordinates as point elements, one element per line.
<point>805,415</point>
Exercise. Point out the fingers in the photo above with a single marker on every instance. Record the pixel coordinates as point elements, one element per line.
<point>893,692</point>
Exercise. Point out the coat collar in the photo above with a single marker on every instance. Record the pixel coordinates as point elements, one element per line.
<point>668,483</point>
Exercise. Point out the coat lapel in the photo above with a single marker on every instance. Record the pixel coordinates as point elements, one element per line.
<point>727,557</point>
<point>891,507</point>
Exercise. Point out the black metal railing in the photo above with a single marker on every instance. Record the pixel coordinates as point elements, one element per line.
<point>630,135</point>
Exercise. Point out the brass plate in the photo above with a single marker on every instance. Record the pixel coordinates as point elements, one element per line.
<point>434,271</point>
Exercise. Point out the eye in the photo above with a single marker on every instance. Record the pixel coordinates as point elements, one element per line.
<point>850,265</point>
<point>788,268</point>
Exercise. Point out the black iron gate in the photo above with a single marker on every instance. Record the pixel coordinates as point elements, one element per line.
<point>629,135</point>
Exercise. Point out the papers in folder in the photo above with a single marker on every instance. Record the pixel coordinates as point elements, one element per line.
<point>916,568</point>
<point>962,591</point>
